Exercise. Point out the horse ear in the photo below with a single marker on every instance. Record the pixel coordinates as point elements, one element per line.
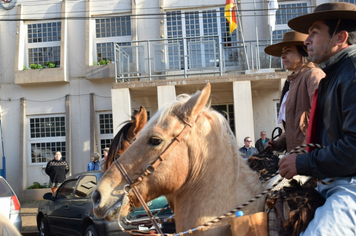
<point>140,120</point>
<point>191,109</point>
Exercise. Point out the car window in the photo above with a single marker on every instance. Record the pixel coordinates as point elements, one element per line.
<point>66,189</point>
<point>85,187</point>
<point>5,191</point>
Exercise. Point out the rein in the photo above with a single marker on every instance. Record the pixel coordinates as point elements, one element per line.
<point>150,169</point>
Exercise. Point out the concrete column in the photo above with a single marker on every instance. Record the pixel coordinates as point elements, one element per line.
<point>121,107</point>
<point>165,94</point>
<point>244,123</point>
<point>68,115</point>
<point>22,144</point>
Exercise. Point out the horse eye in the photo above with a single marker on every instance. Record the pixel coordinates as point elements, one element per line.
<point>154,141</point>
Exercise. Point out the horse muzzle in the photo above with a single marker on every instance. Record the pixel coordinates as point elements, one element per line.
<point>109,211</point>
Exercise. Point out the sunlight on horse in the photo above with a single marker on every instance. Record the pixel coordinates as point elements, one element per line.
<point>126,136</point>
<point>7,228</point>
<point>203,176</point>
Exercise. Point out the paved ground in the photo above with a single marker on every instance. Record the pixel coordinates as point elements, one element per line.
<point>28,215</point>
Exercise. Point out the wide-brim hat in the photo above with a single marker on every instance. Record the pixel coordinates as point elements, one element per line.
<point>326,11</point>
<point>291,38</point>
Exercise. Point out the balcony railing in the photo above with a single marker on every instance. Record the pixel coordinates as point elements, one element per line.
<point>184,57</point>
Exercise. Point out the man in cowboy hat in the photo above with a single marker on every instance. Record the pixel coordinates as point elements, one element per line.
<point>331,44</point>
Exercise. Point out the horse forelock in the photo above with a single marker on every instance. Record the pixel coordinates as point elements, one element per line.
<point>117,143</point>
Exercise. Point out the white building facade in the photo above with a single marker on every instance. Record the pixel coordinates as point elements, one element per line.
<point>73,70</point>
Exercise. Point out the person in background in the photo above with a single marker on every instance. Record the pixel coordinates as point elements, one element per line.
<point>247,150</point>
<point>103,160</point>
<point>298,91</point>
<point>260,143</point>
<point>94,162</point>
<point>331,44</point>
<point>57,170</point>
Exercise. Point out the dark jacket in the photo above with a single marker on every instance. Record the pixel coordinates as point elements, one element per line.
<point>57,170</point>
<point>336,120</point>
<point>247,152</point>
<point>259,145</point>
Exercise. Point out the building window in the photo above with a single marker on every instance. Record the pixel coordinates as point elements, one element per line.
<point>105,134</point>
<point>106,123</point>
<point>46,137</point>
<point>228,112</point>
<point>349,1</point>
<point>202,51</point>
<point>108,31</point>
<point>43,43</point>
<point>287,11</point>
<point>113,27</point>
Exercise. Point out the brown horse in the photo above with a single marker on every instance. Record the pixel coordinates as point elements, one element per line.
<point>203,176</point>
<point>126,135</point>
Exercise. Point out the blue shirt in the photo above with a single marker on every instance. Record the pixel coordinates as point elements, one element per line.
<point>93,166</point>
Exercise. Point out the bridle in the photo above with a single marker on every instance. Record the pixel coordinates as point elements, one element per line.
<point>150,169</point>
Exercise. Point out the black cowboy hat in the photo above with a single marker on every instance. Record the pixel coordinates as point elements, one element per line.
<point>291,38</point>
<point>326,11</point>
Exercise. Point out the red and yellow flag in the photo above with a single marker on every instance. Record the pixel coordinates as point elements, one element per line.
<point>230,15</point>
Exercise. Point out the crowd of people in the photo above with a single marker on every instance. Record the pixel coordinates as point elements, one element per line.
<point>57,168</point>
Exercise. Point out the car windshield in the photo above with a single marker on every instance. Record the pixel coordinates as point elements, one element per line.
<point>5,191</point>
<point>66,189</point>
<point>85,187</point>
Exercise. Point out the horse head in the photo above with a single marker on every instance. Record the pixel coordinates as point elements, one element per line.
<point>155,138</point>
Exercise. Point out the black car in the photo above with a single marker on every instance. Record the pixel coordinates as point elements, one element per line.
<point>70,211</point>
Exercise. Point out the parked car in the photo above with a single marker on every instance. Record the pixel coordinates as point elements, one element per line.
<point>10,205</point>
<point>70,210</point>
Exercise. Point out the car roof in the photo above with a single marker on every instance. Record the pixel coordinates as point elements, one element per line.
<point>98,173</point>
<point>5,188</point>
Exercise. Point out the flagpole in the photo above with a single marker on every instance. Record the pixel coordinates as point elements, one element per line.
<point>271,15</point>
<point>242,36</point>
<point>270,57</point>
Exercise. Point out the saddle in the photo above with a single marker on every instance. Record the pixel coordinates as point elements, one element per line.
<point>288,212</point>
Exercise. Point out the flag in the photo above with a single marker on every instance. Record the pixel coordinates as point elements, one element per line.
<point>272,8</point>
<point>230,15</point>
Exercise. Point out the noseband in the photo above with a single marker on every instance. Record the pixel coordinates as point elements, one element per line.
<point>151,169</point>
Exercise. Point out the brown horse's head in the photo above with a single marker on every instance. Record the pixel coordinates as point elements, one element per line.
<point>126,135</point>
<point>175,167</point>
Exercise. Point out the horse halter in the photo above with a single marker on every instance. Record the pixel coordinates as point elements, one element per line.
<point>151,168</point>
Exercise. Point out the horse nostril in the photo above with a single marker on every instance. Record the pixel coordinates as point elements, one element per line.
<point>96,197</point>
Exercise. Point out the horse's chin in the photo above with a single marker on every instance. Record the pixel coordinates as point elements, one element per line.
<point>119,210</point>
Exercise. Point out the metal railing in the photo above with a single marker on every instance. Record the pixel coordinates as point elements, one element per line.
<point>189,56</point>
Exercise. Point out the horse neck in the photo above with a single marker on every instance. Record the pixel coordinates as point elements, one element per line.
<point>224,184</point>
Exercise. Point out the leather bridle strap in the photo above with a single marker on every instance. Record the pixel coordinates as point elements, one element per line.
<point>138,195</point>
<point>151,168</point>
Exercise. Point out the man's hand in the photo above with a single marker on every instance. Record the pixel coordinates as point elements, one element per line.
<point>288,166</point>
<point>274,145</point>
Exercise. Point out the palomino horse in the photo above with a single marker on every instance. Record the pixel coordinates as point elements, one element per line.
<point>202,177</point>
<point>126,135</point>
<point>7,228</point>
